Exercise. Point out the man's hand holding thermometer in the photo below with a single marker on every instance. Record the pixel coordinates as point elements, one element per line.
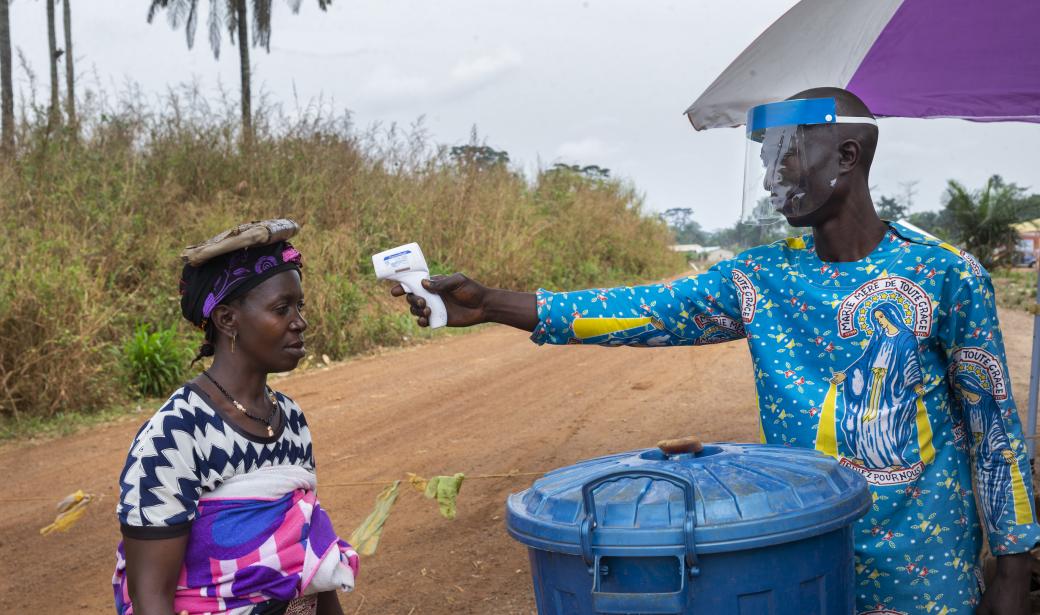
<point>407,266</point>
<point>454,300</point>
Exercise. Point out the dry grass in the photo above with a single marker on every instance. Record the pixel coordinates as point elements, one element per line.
<point>92,228</point>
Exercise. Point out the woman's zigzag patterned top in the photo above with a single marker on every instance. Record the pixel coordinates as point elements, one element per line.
<point>186,449</point>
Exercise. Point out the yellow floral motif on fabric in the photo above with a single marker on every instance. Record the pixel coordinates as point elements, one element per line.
<point>585,328</point>
<point>1023,507</point>
<point>826,437</point>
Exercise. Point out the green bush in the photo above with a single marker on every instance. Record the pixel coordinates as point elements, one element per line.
<point>155,361</point>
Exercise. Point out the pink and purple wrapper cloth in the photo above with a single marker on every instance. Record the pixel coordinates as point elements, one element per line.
<point>245,551</point>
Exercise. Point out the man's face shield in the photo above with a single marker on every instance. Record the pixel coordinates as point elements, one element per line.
<point>791,162</point>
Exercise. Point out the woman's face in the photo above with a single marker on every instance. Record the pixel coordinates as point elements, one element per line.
<point>271,323</point>
<point>880,316</point>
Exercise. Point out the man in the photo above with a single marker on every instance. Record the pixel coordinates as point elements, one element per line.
<point>861,327</point>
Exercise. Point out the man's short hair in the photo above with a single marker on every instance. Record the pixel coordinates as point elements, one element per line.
<point>848,104</point>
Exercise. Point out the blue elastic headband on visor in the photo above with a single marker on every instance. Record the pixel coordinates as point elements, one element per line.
<point>792,113</point>
<point>800,112</point>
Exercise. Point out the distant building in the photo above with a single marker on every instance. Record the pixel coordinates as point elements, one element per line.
<point>689,247</point>
<point>715,255</point>
<point>695,252</point>
<point>1028,241</point>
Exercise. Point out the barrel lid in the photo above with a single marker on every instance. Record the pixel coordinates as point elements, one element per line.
<point>744,496</point>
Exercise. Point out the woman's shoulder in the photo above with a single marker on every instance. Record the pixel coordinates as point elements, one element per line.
<point>188,402</point>
<point>287,401</point>
<point>293,413</point>
<point>184,410</point>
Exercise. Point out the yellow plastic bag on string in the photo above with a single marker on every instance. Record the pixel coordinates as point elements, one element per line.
<point>445,489</point>
<point>70,510</point>
<point>365,538</point>
<point>417,482</point>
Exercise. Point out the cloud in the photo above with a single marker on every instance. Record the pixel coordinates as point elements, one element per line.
<point>590,150</point>
<point>389,85</point>
<point>386,82</point>
<point>484,69</point>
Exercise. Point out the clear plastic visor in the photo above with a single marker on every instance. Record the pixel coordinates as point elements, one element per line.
<point>789,172</point>
<point>791,161</point>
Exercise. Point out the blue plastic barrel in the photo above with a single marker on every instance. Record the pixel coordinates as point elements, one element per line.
<point>734,529</point>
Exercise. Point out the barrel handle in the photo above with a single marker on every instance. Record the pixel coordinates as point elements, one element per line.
<point>589,523</point>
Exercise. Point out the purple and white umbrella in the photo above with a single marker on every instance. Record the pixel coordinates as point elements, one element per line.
<point>905,58</point>
<point>965,59</point>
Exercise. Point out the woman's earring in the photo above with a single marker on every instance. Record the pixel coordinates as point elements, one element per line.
<point>234,336</point>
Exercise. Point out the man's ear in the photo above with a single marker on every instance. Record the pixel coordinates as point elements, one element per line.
<point>225,319</point>
<point>849,153</point>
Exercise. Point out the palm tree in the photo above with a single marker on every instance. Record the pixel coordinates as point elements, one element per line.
<point>6,93</point>
<point>984,219</point>
<point>234,15</point>
<point>54,111</point>
<point>70,75</point>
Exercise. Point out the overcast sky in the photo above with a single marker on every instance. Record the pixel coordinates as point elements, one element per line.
<point>591,82</point>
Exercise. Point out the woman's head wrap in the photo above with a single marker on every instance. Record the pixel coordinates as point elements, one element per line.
<point>228,275</point>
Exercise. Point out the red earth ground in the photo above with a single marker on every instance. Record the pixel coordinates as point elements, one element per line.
<point>485,403</point>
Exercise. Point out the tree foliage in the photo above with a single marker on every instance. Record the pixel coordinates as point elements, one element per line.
<point>482,156</point>
<point>222,15</point>
<point>983,219</point>
<point>686,229</point>
<point>936,223</point>
<point>889,208</point>
<point>590,171</point>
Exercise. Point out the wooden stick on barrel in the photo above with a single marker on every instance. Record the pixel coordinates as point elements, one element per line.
<point>678,446</point>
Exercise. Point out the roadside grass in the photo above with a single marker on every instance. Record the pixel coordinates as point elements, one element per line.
<point>63,423</point>
<point>1015,288</point>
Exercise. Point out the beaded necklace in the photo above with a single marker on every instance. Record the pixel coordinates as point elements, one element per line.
<point>270,395</point>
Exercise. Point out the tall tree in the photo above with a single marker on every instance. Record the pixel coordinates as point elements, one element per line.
<point>938,223</point>
<point>6,93</point>
<point>983,219</point>
<point>70,75</point>
<point>889,208</point>
<point>683,226</point>
<point>54,111</point>
<point>245,72</point>
<point>234,15</point>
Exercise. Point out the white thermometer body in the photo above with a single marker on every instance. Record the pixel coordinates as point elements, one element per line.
<point>406,266</point>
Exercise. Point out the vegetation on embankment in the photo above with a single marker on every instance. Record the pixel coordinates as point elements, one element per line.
<point>1015,288</point>
<point>92,227</point>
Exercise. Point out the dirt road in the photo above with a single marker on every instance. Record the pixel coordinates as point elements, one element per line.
<point>484,403</point>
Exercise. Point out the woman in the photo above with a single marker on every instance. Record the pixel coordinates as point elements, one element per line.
<point>881,388</point>
<point>217,507</point>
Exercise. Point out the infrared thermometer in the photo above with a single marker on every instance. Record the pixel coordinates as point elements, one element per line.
<point>406,266</point>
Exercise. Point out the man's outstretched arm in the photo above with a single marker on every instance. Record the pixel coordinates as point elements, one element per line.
<point>470,303</point>
<point>691,310</point>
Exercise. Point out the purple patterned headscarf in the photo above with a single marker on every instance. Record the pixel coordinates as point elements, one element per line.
<point>232,275</point>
